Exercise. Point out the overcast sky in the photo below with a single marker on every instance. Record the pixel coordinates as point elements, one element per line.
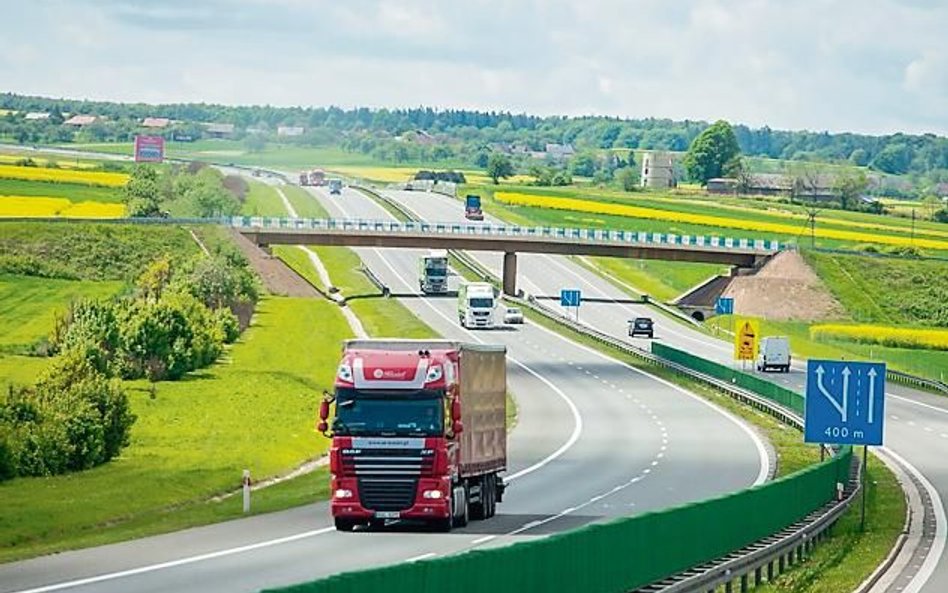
<point>875,66</point>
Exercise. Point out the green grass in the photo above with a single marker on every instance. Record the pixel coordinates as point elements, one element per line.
<point>850,555</point>
<point>20,370</point>
<point>71,191</point>
<point>305,204</point>
<point>263,200</point>
<point>92,251</point>
<point>886,290</point>
<point>28,305</point>
<point>381,317</point>
<point>254,410</point>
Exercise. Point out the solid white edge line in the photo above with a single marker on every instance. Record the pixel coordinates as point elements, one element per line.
<point>421,557</point>
<point>941,528</point>
<point>913,402</point>
<point>755,438</point>
<point>179,562</point>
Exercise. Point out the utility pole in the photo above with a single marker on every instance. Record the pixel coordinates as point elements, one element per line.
<point>913,226</point>
<point>811,220</point>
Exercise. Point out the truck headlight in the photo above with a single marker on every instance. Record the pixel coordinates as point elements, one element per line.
<point>343,493</point>
<point>434,373</point>
<point>432,494</point>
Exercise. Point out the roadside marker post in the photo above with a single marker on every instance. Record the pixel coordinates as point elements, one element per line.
<point>246,484</point>
<point>845,405</point>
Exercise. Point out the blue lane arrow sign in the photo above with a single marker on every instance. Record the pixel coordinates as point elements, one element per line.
<point>845,402</point>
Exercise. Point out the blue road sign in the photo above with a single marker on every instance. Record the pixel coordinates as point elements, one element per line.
<point>724,306</point>
<point>570,298</point>
<point>845,402</point>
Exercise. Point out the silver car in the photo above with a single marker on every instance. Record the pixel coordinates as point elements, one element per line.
<point>513,315</point>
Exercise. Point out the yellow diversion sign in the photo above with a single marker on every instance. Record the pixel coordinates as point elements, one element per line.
<point>746,339</point>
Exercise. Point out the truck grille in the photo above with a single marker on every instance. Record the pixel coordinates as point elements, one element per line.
<point>388,478</point>
<point>386,494</point>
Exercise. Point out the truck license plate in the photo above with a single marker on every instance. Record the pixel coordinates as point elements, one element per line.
<point>386,514</point>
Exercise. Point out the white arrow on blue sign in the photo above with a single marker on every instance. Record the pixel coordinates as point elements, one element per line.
<point>570,298</point>
<point>845,402</point>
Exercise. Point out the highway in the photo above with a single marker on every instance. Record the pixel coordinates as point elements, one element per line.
<point>595,439</point>
<point>916,423</point>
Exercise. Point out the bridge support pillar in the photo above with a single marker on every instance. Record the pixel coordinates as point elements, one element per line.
<point>510,273</point>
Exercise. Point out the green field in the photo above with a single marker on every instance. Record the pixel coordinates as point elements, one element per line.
<point>254,409</point>
<point>886,290</point>
<point>89,251</point>
<point>29,305</point>
<point>662,280</point>
<point>71,191</point>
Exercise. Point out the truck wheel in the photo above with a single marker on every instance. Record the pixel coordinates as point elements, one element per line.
<point>479,509</point>
<point>462,519</point>
<point>491,495</point>
<point>344,524</point>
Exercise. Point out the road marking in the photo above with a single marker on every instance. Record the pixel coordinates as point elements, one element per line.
<point>180,562</point>
<point>577,418</point>
<point>941,528</point>
<point>483,540</point>
<point>763,457</point>
<point>421,557</point>
<point>913,402</point>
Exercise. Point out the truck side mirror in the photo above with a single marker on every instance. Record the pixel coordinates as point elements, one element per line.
<point>458,427</point>
<point>324,410</point>
<point>456,411</point>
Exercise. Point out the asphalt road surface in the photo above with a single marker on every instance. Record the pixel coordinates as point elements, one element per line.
<point>595,439</point>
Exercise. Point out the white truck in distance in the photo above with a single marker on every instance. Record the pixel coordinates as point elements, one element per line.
<point>433,272</point>
<point>476,305</point>
<point>774,353</point>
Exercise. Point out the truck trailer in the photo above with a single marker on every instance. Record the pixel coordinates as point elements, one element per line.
<point>419,432</point>
<point>433,272</point>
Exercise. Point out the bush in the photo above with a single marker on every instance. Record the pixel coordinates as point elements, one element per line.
<point>941,215</point>
<point>75,418</point>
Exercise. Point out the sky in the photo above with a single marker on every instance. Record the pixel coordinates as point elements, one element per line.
<point>870,66</point>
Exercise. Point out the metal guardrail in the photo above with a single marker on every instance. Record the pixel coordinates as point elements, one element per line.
<point>783,548</point>
<point>913,381</point>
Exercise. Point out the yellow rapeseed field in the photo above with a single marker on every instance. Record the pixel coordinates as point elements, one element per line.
<point>578,205</point>
<point>899,337</point>
<point>101,178</point>
<point>43,207</point>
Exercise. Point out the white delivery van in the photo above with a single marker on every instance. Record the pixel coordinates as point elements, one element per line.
<point>774,354</point>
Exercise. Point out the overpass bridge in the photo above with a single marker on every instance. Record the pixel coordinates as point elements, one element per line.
<point>510,240</point>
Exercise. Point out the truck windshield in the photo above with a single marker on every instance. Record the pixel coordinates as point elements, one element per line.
<point>436,270</point>
<point>481,303</point>
<point>389,413</point>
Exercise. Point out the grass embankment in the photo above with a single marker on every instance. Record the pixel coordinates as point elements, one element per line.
<point>262,200</point>
<point>193,438</point>
<point>849,555</point>
<point>73,192</point>
<point>661,280</point>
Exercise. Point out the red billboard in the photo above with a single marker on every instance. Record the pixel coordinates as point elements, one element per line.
<point>149,149</point>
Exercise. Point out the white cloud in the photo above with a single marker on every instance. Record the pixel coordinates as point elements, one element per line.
<point>877,66</point>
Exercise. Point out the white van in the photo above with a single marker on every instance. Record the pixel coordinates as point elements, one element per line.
<point>774,354</point>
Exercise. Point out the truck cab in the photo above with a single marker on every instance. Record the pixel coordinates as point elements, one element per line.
<point>335,186</point>
<point>419,432</point>
<point>476,305</point>
<point>472,207</point>
<point>774,353</point>
<point>433,272</point>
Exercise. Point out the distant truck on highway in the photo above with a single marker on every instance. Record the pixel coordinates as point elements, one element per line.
<point>419,432</point>
<point>774,353</point>
<point>433,272</point>
<point>472,207</point>
<point>335,186</point>
<point>316,177</point>
<point>476,304</point>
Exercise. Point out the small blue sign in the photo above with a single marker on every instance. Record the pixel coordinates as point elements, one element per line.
<point>570,298</point>
<point>724,306</point>
<point>845,402</point>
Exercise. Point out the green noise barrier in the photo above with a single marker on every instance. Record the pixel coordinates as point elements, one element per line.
<point>772,391</point>
<point>626,553</point>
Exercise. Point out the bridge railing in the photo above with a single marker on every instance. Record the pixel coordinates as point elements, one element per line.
<point>504,230</point>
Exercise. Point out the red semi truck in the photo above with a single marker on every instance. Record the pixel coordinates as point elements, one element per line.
<point>419,432</point>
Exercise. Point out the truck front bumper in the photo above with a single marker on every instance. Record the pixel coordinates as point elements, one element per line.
<point>350,506</point>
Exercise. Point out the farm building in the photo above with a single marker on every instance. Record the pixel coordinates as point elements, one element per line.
<point>155,122</point>
<point>220,130</point>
